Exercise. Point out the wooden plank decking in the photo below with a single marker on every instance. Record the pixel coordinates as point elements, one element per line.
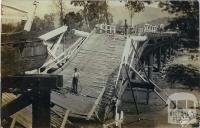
<point>96,61</point>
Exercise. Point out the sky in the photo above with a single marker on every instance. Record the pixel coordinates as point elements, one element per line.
<point>116,8</point>
<point>44,6</point>
<point>48,6</point>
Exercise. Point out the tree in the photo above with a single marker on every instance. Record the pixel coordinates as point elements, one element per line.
<point>187,16</point>
<point>135,7</point>
<point>43,25</point>
<point>73,20</point>
<point>94,11</point>
<point>37,24</point>
<point>83,3</point>
<point>49,21</point>
<point>60,6</point>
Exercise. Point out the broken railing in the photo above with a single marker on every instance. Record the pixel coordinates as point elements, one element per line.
<point>58,60</point>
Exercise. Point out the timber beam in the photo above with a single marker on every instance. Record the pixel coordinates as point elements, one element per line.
<point>139,84</point>
<point>31,81</point>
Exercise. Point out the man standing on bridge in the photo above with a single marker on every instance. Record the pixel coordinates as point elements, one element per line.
<point>75,81</point>
<point>125,28</point>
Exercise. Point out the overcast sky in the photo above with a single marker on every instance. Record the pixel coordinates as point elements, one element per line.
<point>116,8</point>
<point>48,6</point>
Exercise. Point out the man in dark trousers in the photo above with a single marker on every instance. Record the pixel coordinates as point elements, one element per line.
<point>75,81</point>
<point>125,27</point>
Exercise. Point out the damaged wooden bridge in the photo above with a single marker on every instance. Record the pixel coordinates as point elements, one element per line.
<point>108,63</point>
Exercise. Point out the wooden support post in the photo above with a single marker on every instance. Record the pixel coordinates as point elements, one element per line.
<point>133,95</point>
<point>65,119</point>
<point>159,59</point>
<point>150,71</point>
<point>169,52</point>
<point>41,108</point>
<point>172,47</point>
<point>150,65</point>
<point>165,57</point>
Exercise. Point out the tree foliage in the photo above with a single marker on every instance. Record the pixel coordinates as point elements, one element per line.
<point>187,16</point>
<point>60,7</point>
<point>94,11</point>
<point>43,25</point>
<point>73,20</point>
<point>11,28</point>
<point>135,6</point>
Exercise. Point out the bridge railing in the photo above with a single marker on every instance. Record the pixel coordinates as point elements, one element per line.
<point>105,28</point>
<point>64,55</point>
<point>150,28</point>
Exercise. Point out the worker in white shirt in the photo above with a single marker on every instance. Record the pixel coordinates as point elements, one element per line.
<point>75,81</point>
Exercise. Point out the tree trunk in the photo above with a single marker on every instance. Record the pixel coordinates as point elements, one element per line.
<point>87,21</point>
<point>61,18</point>
<point>131,17</point>
<point>86,16</point>
<point>99,18</point>
<point>107,19</point>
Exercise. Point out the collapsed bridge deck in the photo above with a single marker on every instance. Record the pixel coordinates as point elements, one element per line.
<point>97,60</point>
